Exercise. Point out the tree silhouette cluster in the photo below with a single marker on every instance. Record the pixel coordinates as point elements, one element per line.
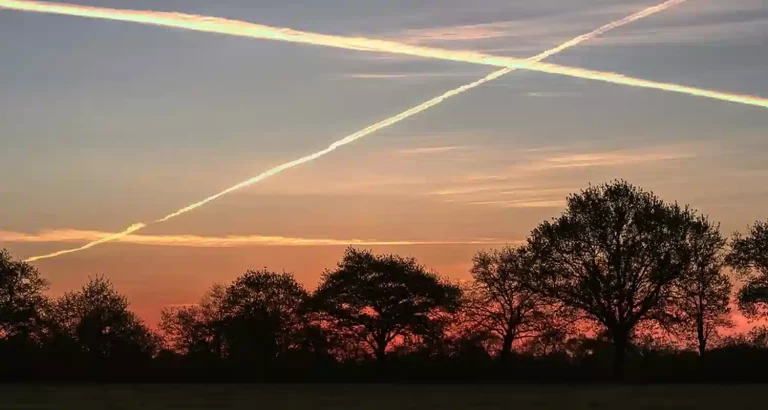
<point>621,285</point>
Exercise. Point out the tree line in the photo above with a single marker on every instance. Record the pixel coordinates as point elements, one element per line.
<point>621,285</point>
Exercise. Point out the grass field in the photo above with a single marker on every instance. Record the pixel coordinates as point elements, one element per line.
<point>373,397</point>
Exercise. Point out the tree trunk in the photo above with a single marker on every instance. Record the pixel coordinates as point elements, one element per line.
<point>506,347</point>
<point>620,339</point>
<point>381,349</point>
<point>701,336</point>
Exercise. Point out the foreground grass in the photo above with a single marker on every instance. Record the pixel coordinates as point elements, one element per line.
<point>373,397</point>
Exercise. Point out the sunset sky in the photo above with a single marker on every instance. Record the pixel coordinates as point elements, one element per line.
<point>104,124</point>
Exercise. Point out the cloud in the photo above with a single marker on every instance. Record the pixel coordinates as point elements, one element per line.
<point>521,36</point>
<point>528,27</point>
<point>431,150</point>
<point>528,203</point>
<point>534,161</point>
<point>691,33</point>
<point>605,159</point>
<point>699,23</point>
<point>543,178</point>
<point>459,33</point>
<point>511,197</point>
<point>473,189</point>
<point>415,75</point>
<point>526,33</point>
<point>230,241</point>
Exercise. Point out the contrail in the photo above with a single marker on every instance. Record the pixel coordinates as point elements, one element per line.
<point>371,129</point>
<point>245,29</point>
<point>229,241</point>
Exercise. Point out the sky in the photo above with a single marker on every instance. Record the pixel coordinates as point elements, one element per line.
<point>104,124</point>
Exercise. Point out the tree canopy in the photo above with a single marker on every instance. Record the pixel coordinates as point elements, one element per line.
<point>378,298</point>
<point>700,302</point>
<point>749,257</point>
<point>97,323</point>
<point>500,301</point>
<point>21,298</point>
<point>256,318</point>
<point>614,254</point>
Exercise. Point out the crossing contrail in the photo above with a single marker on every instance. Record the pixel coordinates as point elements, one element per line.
<point>371,129</point>
<point>245,29</point>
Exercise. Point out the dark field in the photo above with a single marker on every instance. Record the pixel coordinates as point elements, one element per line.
<point>389,397</point>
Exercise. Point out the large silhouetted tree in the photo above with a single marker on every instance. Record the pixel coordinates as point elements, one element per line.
<point>614,254</point>
<point>378,298</point>
<point>701,298</point>
<point>261,315</point>
<point>21,298</point>
<point>500,301</point>
<point>96,323</point>
<point>255,319</point>
<point>749,257</point>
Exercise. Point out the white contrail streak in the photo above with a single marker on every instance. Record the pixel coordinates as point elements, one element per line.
<point>228,241</point>
<point>245,29</point>
<point>373,128</point>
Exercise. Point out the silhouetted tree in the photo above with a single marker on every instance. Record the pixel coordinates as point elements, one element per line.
<point>701,298</point>
<point>500,302</point>
<point>21,298</point>
<point>255,319</point>
<point>97,324</point>
<point>22,317</point>
<point>378,298</point>
<point>614,255</point>
<point>260,319</point>
<point>749,257</point>
<point>758,337</point>
<point>193,330</point>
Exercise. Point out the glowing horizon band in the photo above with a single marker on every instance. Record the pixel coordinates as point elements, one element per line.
<point>252,30</point>
<point>369,130</point>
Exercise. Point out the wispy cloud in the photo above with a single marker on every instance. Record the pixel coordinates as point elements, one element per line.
<point>231,241</point>
<point>574,20</point>
<point>414,75</point>
<point>532,161</point>
<point>528,35</point>
<point>692,33</point>
<point>543,178</point>
<point>526,203</point>
<point>473,189</point>
<point>509,197</point>
<point>706,21</point>
<point>431,150</point>
<point>558,23</point>
<point>604,159</point>
<point>459,33</point>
